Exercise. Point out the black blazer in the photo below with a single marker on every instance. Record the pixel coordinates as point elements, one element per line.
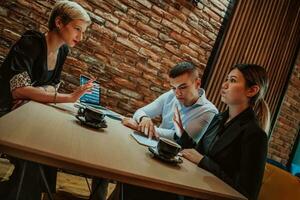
<point>235,152</point>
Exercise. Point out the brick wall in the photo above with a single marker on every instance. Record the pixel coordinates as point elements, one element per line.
<point>287,125</point>
<point>129,47</point>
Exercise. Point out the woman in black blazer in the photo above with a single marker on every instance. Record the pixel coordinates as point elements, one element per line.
<point>234,147</point>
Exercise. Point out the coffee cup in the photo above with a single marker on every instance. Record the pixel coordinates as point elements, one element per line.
<point>167,148</point>
<point>91,115</point>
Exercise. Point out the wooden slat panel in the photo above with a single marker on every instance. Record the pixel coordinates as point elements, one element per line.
<point>264,32</point>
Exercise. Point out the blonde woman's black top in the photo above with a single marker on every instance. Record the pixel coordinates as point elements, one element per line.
<point>26,65</point>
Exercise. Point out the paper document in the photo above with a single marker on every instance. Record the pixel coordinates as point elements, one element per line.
<point>144,140</point>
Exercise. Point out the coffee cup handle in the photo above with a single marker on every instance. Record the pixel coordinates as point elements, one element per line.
<point>81,111</point>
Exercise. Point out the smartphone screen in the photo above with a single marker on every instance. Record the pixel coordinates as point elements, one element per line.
<point>92,97</point>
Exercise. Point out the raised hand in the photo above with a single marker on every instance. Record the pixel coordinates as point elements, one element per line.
<point>81,90</point>
<point>177,122</point>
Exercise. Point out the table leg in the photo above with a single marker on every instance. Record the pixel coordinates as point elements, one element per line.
<point>93,190</point>
<point>21,180</point>
<point>86,180</point>
<point>122,197</point>
<point>46,183</point>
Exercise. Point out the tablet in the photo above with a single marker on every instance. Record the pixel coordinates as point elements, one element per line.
<point>94,96</point>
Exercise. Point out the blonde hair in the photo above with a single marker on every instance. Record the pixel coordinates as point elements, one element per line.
<point>67,11</point>
<point>256,75</point>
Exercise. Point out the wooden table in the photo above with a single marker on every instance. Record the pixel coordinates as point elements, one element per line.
<point>47,135</point>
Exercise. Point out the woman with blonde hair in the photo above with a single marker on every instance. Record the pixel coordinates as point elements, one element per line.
<point>31,71</point>
<point>32,68</point>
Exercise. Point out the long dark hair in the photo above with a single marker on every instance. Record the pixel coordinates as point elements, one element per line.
<point>257,75</point>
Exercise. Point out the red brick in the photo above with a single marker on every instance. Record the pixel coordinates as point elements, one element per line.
<point>133,4</point>
<point>10,34</point>
<point>145,68</point>
<point>102,5</point>
<point>139,40</point>
<point>149,54</point>
<point>75,62</point>
<point>216,10</point>
<point>172,48</point>
<point>160,27</point>
<point>197,48</point>
<point>101,57</point>
<point>127,27</point>
<point>190,36</point>
<point>181,24</point>
<point>145,3</point>
<point>107,16</point>
<point>166,38</point>
<point>128,43</point>
<point>103,30</point>
<point>157,49</point>
<point>124,83</point>
<point>127,18</point>
<point>34,6</point>
<point>138,15</point>
<point>152,15</point>
<point>171,26</point>
<point>131,93</point>
<point>157,65</point>
<point>222,5</point>
<point>116,95</point>
<point>147,29</point>
<point>85,4</point>
<point>152,79</point>
<point>162,13</point>
<point>177,13</point>
<point>137,104</point>
<point>116,29</point>
<point>212,14</point>
<point>167,63</point>
<point>142,81</point>
<point>179,38</point>
<point>97,19</point>
<point>130,69</point>
<point>117,4</point>
<point>188,50</point>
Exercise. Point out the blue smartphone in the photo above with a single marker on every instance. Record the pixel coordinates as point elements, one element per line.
<point>94,96</point>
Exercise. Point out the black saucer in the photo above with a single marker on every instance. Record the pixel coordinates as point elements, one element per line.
<point>102,124</point>
<point>174,160</point>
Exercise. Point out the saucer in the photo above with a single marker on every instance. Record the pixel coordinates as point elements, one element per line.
<point>174,160</point>
<point>91,124</point>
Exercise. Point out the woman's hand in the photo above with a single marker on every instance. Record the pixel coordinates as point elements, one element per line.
<point>81,90</point>
<point>192,155</point>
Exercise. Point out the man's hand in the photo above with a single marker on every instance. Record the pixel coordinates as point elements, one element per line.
<point>146,126</point>
<point>192,155</point>
<point>131,123</point>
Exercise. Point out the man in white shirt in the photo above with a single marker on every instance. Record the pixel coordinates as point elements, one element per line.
<point>195,110</point>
